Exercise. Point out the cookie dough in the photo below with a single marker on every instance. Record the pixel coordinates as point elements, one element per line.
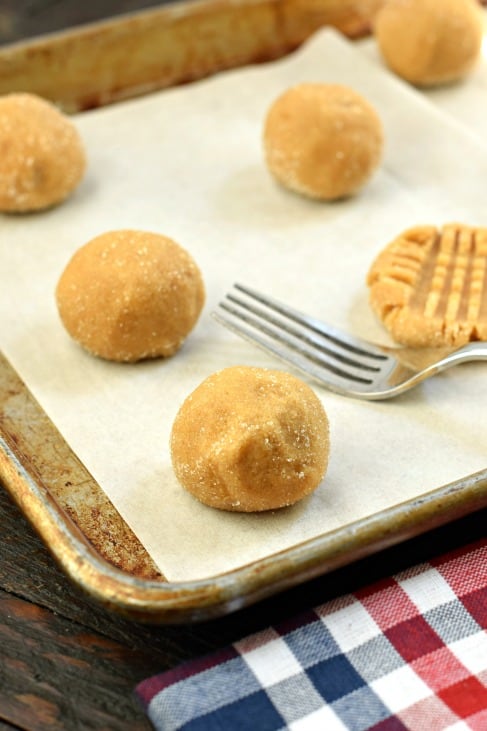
<point>42,157</point>
<point>429,42</point>
<point>130,295</point>
<point>250,439</point>
<point>429,286</point>
<point>322,140</point>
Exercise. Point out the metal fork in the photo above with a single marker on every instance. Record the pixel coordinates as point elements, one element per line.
<point>341,362</point>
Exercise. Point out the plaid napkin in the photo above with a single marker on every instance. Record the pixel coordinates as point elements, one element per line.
<point>409,652</point>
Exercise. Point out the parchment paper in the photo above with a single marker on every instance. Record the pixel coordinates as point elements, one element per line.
<point>187,162</point>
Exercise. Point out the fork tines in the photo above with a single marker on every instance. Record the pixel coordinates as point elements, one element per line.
<point>306,343</point>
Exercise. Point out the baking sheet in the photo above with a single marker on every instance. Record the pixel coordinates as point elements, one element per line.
<point>188,163</point>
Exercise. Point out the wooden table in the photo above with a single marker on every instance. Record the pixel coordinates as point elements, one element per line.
<point>67,664</point>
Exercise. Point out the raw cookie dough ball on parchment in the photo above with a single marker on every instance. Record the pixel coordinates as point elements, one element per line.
<point>430,42</point>
<point>322,140</point>
<point>42,158</point>
<point>250,439</point>
<point>130,295</point>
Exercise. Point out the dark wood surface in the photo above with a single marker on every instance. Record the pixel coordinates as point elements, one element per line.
<point>22,19</point>
<point>67,664</point>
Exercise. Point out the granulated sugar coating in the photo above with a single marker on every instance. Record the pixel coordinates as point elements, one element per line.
<point>322,140</point>
<point>250,439</point>
<point>130,295</point>
<point>429,42</point>
<point>42,158</point>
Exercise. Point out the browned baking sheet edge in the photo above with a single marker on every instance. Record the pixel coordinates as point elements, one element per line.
<point>102,556</point>
<point>104,62</point>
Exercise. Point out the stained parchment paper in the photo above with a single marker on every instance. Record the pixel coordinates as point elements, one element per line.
<point>187,162</point>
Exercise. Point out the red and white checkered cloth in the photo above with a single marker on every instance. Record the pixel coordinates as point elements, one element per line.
<point>409,652</point>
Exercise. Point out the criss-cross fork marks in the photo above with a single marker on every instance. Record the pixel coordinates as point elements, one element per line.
<point>458,288</point>
<point>446,274</point>
<point>341,362</point>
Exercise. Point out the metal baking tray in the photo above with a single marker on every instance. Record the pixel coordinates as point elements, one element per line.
<point>80,69</point>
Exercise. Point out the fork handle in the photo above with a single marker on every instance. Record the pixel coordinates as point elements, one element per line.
<point>476,350</point>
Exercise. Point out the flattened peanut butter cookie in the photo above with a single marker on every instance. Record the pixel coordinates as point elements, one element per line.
<point>429,286</point>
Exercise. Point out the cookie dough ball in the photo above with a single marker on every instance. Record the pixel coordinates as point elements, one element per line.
<point>130,295</point>
<point>250,439</point>
<point>322,140</point>
<point>430,42</point>
<point>42,158</point>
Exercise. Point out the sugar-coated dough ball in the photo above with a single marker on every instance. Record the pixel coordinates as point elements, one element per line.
<point>130,295</point>
<point>42,157</point>
<point>250,439</point>
<point>430,42</point>
<point>322,140</point>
